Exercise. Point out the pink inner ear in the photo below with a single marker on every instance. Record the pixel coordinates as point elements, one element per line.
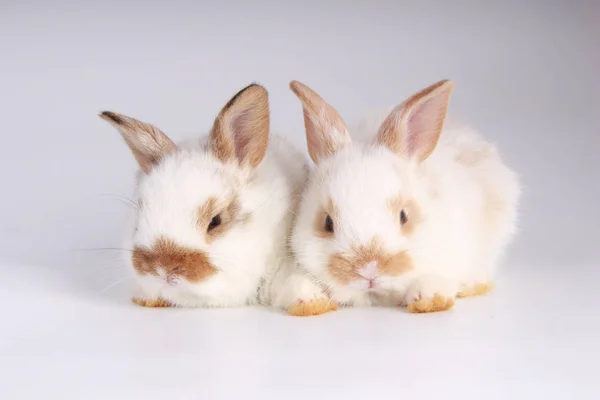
<point>241,136</point>
<point>315,138</point>
<point>423,126</point>
<point>416,126</point>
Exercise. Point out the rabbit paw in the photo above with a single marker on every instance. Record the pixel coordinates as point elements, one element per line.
<point>303,297</point>
<point>312,307</point>
<point>429,295</point>
<point>154,303</point>
<point>475,289</point>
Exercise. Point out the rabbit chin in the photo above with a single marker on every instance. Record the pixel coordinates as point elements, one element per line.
<point>215,291</point>
<point>383,291</point>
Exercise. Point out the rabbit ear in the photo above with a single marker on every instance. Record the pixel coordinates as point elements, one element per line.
<point>326,131</point>
<point>147,143</point>
<point>241,130</point>
<point>413,128</point>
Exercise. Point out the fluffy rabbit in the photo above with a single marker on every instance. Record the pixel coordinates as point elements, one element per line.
<point>405,217</point>
<point>213,215</point>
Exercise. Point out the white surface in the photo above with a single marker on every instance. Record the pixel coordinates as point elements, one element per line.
<point>527,78</point>
<point>525,340</point>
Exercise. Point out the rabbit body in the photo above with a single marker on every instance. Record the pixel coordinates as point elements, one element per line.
<point>249,252</point>
<point>399,213</point>
<point>213,214</point>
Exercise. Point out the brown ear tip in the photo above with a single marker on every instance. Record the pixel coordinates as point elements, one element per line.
<point>254,90</point>
<point>112,117</point>
<point>256,87</point>
<point>447,84</point>
<point>259,92</point>
<point>302,91</point>
<point>296,86</point>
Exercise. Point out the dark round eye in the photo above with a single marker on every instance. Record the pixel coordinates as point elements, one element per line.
<point>329,224</point>
<point>214,222</point>
<point>403,217</point>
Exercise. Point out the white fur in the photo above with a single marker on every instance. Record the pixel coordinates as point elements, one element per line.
<point>250,252</point>
<point>469,216</point>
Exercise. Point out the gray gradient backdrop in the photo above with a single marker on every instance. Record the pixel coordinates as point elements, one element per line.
<point>527,77</point>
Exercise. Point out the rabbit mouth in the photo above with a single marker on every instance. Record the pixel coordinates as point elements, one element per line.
<point>173,263</point>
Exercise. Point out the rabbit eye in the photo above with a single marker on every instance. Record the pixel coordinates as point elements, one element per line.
<point>403,217</point>
<point>329,224</point>
<point>214,222</point>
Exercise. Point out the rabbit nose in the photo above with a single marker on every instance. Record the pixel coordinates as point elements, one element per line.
<point>369,271</point>
<point>171,279</point>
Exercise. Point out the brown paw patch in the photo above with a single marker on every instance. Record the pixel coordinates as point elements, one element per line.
<point>154,303</point>
<point>435,304</point>
<point>311,308</point>
<point>478,289</point>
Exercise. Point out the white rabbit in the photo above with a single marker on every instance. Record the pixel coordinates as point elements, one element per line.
<point>403,218</point>
<point>213,214</point>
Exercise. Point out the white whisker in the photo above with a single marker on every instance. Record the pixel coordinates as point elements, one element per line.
<point>115,283</point>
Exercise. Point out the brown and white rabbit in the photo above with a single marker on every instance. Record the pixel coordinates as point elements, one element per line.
<point>416,214</point>
<point>213,214</point>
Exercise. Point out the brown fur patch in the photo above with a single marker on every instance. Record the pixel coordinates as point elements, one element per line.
<point>312,308</point>
<point>435,304</point>
<point>412,210</point>
<point>342,270</point>
<point>153,303</point>
<point>210,209</point>
<point>343,267</point>
<point>326,131</point>
<point>478,289</point>
<point>395,134</point>
<point>147,143</point>
<point>190,264</point>
<point>397,264</point>
<point>241,130</point>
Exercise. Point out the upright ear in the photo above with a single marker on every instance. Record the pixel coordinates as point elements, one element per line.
<point>413,128</point>
<point>326,131</point>
<point>147,143</point>
<point>241,130</point>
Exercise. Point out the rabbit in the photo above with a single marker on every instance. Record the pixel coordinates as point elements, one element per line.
<point>213,214</point>
<point>404,216</point>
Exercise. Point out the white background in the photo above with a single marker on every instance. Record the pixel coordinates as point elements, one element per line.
<point>527,77</point>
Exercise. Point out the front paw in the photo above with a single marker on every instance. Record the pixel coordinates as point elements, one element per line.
<point>474,289</point>
<point>311,307</point>
<point>429,295</point>
<point>300,296</point>
<point>153,303</point>
<point>429,305</point>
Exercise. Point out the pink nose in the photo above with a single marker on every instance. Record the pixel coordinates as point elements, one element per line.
<point>171,280</point>
<point>369,271</point>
